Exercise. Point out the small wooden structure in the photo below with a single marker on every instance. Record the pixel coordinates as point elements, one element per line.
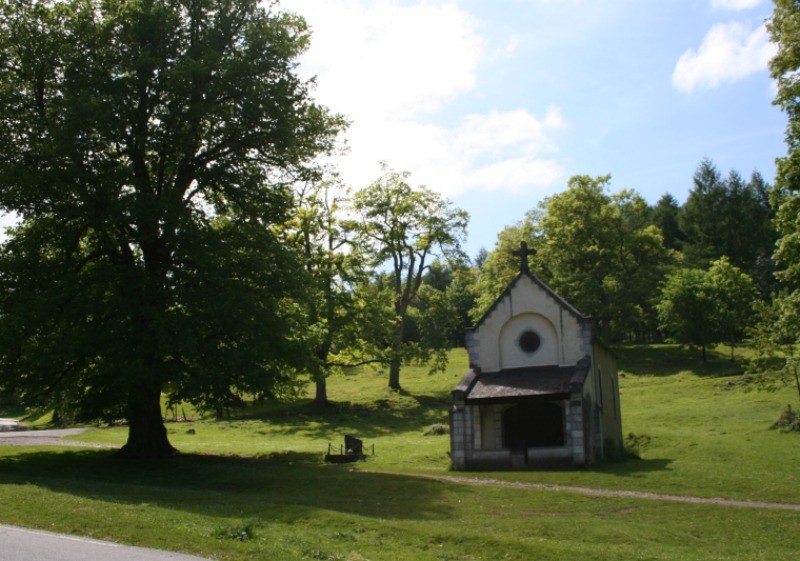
<point>353,451</point>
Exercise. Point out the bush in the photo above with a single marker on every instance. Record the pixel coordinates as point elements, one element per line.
<point>239,533</point>
<point>635,444</point>
<point>789,421</point>
<point>437,429</point>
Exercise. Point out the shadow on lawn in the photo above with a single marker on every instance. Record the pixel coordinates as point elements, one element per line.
<point>633,467</point>
<point>668,360</point>
<point>223,487</point>
<point>383,417</point>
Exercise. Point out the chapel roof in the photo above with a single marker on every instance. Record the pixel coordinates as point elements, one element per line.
<point>527,382</point>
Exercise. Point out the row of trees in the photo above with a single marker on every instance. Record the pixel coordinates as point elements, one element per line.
<point>620,260</point>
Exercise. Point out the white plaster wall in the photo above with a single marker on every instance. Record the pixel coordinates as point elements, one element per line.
<point>532,304</point>
<point>512,356</point>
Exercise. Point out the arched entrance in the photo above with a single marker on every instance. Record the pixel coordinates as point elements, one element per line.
<point>533,424</point>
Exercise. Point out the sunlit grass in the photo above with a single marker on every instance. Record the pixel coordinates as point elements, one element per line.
<point>254,486</point>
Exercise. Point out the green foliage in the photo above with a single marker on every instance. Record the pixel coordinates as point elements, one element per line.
<point>686,309</point>
<point>601,254</point>
<point>777,336</point>
<point>776,341</point>
<point>347,322</point>
<point>407,227</point>
<point>146,147</point>
<point>666,216</point>
<point>729,218</point>
<point>735,297</point>
<point>500,267</point>
<point>706,307</point>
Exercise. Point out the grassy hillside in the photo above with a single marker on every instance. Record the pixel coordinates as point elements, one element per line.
<point>254,487</point>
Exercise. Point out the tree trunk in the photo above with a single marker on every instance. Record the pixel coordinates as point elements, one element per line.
<point>703,352</point>
<point>147,435</point>
<point>394,374</point>
<point>321,396</point>
<point>796,380</point>
<point>397,345</point>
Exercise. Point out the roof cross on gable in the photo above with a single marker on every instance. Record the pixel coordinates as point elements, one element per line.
<point>523,253</point>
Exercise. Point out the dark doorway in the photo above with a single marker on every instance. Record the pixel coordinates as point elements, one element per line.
<point>532,424</point>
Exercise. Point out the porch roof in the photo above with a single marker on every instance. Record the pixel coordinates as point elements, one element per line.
<point>533,381</point>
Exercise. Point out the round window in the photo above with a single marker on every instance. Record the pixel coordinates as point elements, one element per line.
<point>529,341</point>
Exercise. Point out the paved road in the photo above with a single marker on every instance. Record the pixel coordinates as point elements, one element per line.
<point>21,544</point>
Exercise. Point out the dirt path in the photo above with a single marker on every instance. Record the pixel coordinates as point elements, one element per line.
<point>600,492</point>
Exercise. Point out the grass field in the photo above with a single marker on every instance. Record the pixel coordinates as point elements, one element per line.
<point>254,487</point>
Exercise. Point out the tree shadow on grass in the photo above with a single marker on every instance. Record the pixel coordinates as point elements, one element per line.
<point>223,487</point>
<point>668,360</point>
<point>632,467</point>
<point>368,421</point>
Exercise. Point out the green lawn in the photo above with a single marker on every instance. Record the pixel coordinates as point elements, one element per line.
<point>254,487</point>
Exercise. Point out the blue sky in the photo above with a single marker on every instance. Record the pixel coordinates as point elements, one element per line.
<point>495,104</point>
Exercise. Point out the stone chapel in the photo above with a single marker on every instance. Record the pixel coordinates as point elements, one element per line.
<point>542,390</point>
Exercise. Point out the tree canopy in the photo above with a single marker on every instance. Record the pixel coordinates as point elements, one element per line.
<point>777,337</point>
<point>148,146</point>
<point>597,250</point>
<point>407,227</point>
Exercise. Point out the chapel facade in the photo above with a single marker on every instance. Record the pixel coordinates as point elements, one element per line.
<point>542,389</point>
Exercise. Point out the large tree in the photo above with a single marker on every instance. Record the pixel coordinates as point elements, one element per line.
<point>147,146</point>
<point>777,337</point>
<point>600,252</point>
<point>406,227</point>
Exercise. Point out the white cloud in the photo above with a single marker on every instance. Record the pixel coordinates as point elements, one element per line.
<point>393,69</point>
<point>493,133</point>
<point>383,57</point>
<point>735,5</point>
<point>730,52</point>
<point>508,151</point>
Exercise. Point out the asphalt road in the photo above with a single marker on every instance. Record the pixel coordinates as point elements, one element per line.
<point>21,544</point>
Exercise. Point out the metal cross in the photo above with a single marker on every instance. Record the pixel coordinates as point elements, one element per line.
<point>523,253</point>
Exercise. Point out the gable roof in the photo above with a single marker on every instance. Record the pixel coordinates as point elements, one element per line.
<point>549,291</point>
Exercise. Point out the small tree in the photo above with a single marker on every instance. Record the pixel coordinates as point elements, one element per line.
<point>346,321</point>
<point>735,295</point>
<point>687,307</point>
<point>406,227</point>
<point>705,307</point>
<point>776,341</point>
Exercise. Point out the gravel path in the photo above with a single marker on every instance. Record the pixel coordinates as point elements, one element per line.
<point>601,492</point>
<point>47,438</point>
